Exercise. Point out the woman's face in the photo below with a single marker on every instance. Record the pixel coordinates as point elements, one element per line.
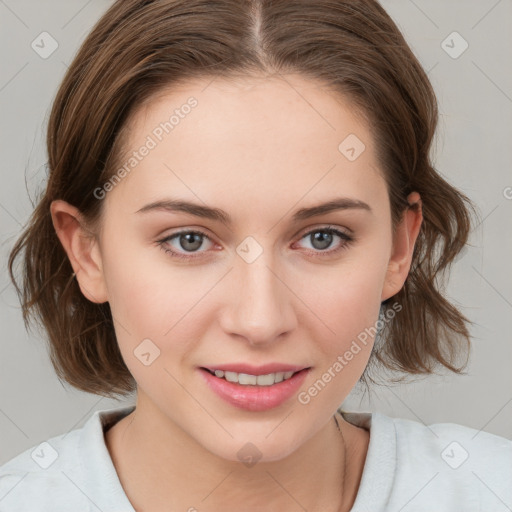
<point>269,281</point>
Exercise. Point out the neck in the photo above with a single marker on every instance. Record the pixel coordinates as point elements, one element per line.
<point>180,474</point>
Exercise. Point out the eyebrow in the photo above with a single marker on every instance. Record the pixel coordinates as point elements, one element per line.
<point>216,214</point>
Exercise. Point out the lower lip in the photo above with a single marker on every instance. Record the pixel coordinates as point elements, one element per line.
<point>255,398</point>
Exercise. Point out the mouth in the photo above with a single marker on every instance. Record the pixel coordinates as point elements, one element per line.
<point>247,379</point>
<point>255,389</point>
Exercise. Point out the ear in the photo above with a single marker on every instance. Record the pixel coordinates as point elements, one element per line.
<point>82,249</point>
<point>403,246</point>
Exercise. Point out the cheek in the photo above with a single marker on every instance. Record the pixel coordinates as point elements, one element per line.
<point>348,303</point>
<point>146,293</point>
<point>346,299</point>
<point>152,300</point>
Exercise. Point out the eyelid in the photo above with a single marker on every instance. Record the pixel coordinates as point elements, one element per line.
<point>344,233</point>
<point>318,227</point>
<point>188,231</point>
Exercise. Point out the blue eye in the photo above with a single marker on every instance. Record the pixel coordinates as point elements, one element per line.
<point>191,241</point>
<point>323,238</point>
<point>188,241</point>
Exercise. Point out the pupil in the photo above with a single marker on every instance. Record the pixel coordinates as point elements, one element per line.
<point>190,244</point>
<point>193,241</point>
<point>323,238</point>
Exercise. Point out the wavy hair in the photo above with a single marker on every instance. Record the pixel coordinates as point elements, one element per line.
<point>141,47</point>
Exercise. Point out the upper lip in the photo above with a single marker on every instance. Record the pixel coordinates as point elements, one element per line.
<point>256,370</point>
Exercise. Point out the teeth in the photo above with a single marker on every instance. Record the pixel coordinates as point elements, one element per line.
<point>231,376</point>
<point>253,380</point>
<point>245,379</point>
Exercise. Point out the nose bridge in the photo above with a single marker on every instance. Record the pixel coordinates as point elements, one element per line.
<point>262,308</point>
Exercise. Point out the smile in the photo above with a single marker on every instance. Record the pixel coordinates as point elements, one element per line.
<point>245,390</point>
<point>246,379</point>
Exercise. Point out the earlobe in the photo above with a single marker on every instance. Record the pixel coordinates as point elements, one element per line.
<point>81,248</point>
<point>404,240</point>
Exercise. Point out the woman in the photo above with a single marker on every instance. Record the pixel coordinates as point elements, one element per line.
<point>242,218</point>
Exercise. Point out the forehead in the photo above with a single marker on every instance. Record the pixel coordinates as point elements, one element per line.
<point>249,138</point>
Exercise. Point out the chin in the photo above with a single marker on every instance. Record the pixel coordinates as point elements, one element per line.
<point>250,450</point>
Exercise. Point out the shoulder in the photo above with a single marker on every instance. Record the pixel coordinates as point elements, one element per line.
<point>414,466</point>
<point>71,471</point>
<point>452,444</point>
<point>452,463</point>
<point>42,477</point>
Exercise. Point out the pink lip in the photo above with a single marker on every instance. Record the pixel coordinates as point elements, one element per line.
<point>255,398</point>
<point>256,370</point>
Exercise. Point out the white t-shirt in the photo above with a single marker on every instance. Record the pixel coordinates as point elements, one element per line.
<point>409,467</point>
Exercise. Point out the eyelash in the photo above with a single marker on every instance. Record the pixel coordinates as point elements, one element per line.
<point>347,240</point>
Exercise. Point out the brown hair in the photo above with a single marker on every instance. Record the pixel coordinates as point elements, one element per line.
<point>141,47</point>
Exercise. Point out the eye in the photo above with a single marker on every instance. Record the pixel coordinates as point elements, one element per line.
<point>183,242</point>
<point>321,239</point>
<point>186,244</point>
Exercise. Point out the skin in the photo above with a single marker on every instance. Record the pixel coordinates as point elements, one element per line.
<point>258,148</point>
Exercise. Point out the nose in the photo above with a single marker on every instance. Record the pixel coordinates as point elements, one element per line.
<point>260,306</point>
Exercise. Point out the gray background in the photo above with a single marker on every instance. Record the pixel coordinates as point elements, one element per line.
<point>473,151</point>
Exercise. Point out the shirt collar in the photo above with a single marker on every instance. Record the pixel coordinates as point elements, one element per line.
<point>104,488</point>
